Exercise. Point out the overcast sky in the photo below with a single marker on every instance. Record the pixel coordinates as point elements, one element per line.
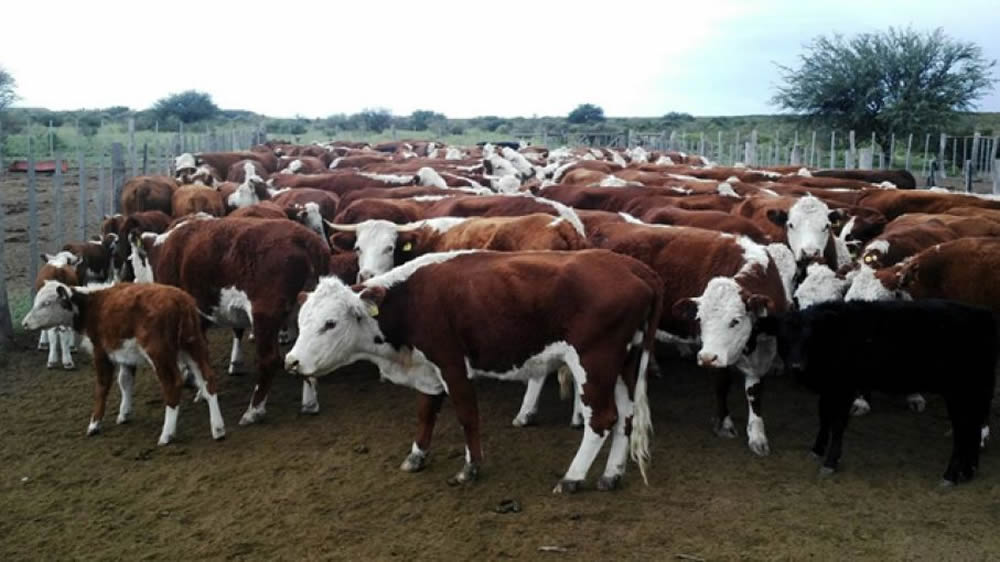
<point>461,58</point>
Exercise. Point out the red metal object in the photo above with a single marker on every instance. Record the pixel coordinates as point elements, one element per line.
<point>41,166</point>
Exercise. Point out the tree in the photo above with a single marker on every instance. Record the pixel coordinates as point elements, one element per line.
<point>586,113</point>
<point>7,84</point>
<point>376,119</point>
<point>895,81</point>
<point>189,106</point>
<point>422,119</point>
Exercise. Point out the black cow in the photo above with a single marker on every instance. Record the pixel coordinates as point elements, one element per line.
<point>932,346</point>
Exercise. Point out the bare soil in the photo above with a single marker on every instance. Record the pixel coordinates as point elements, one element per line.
<point>329,487</point>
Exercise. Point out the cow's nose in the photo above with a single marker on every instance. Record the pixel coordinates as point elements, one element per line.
<point>292,365</point>
<point>707,360</point>
<point>364,276</point>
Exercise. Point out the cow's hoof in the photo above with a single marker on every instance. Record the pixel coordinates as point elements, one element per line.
<point>43,347</point>
<point>310,408</point>
<point>165,440</point>
<point>414,462</point>
<point>123,418</point>
<point>235,369</point>
<point>52,365</point>
<point>93,428</point>
<point>567,486</point>
<point>524,420</point>
<point>860,407</point>
<point>218,433</point>
<point>826,472</point>
<point>760,447</point>
<point>946,484</point>
<point>608,483</point>
<point>726,429</point>
<point>916,403</point>
<point>69,366</point>
<point>469,473</point>
<point>252,416</point>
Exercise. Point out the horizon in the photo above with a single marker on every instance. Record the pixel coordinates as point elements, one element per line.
<point>528,61</point>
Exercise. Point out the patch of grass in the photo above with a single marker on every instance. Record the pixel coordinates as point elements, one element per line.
<point>20,303</point>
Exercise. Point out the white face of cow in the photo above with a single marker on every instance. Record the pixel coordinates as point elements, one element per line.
<point>62,259</point>
<point>52,307</point>
<point>375,245</point>
<point>139,259</point>
<point>311,217</point>
<point>808,228</point>
<point>335,324</point>
<point>726,321</point>
<point>820,285</point>
<point>866,286</point>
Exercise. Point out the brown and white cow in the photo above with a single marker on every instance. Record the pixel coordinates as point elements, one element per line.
<point>128,324</point>
<point>95,258</point>
<point>913,232</point>
<point>556,311</point>
<point>239,171</point>
<point>243,273</point>
<point>119,226</point>
<point>64,268</point>
<point>148,193</point>
<point>382,245</point>
<point>718,285</point>
<point>194,198</point>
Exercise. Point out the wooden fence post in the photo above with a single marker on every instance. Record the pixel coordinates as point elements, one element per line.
<point>976,142</point>
<point>927,146</point>
<point>57,198</point>
<point>941,146</point>
<point>833,149</point>
<point>854,152</point>
<point>892,149</point>
<point>51,143</point>
<point>32,220</point>
<point>117,177</point>
<point>133,160</point>
<point>102,190</point>
<point>968,176</point>
<point>909,146</point>
<point>812,151</point>
<point>6,325</point>
<point>996,179</point>
<point>145,156</point>
<point>81,219</point>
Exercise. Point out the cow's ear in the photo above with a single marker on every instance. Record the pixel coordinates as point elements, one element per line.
<point>836,217</point>
<point>760,305</point>
<point>777,216</point>
<point>47,257</point>
<point>301,297</point>
<point>63,293</point>
<point>372,298</point>
<point>405,241</point>
<point>686,309</point>
<point>342,241</point>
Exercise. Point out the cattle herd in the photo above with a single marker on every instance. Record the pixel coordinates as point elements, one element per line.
<point>440,264</point>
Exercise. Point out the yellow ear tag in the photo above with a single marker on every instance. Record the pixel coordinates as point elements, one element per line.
<point>373,310</point>
<point>869,258</point>
<point>408,246</point>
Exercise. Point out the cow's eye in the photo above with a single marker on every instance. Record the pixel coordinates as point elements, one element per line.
<point>791,226</point>
<point>329,325</point>
<point>388,250</point>
<point>734,322</point>
<point>826,228</point>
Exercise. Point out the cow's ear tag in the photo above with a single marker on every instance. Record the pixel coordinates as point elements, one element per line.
<point>408,246</point>
<point>373,310</point>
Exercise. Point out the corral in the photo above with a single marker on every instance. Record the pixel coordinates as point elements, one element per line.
<point>329,486</point>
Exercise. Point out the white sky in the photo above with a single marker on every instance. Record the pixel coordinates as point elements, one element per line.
<point>461,58</point>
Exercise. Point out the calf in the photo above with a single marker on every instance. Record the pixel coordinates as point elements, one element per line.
<point>243,273</point>
<point>58,339</point>
<point>125,324</point>
<point>95,258</point>
<point>555,311</point>
<point>892,348</point>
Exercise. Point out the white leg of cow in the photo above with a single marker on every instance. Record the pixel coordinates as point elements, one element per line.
<point>916,402</point>
<point>529,404</point>
<point>756,436</point>
<point>860,406</point>
<point>310,400</point>
<point>590,445</point>
<point>984,436</point>
<point>216,424</point>
<point>254,415</point>
<point>43,340</point>
<point>74,342</point>
<point>618,456</point>
<point>53,337</point>
<point>126,382</point>
<point>65,341</point>
<point>236,355</point>
<point>576,422</point>
<point>169,425</point>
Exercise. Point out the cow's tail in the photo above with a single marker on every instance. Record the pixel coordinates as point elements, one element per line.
<point>642,423</point>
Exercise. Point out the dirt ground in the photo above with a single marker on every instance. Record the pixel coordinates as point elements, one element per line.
<point>329,487</point>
